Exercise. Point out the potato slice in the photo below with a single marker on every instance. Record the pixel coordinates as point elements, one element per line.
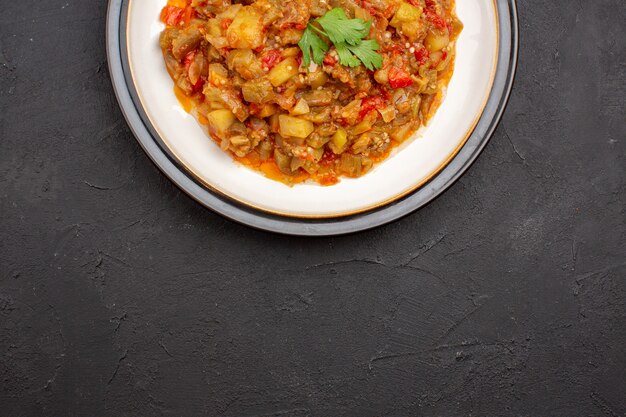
<point>339,139</point>
<point>301,107</point>
<point>282,72</point>
<point>437,41</point>
<point>407,13</point>
<point>220,120</point>
<point>246,31</point>
<point>267,110</point>
<point>294,126</point>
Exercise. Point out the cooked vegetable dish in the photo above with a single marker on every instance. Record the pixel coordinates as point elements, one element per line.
<point>310,89</point>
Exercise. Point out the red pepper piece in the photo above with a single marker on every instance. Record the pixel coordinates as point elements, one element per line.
<point>421,54</point>
<point>172,15</point>
<point>271,59</point>
<point>436,20</point>
<point>399,78</point>
<point>189,14</point>
<point>371,103</point>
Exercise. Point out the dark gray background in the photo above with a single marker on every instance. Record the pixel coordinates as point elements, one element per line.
<point>120,296</point>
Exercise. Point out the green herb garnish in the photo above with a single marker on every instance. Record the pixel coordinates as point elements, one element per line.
<point>347,35</point>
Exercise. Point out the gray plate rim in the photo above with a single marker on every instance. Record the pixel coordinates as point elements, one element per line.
<point>154,147</point>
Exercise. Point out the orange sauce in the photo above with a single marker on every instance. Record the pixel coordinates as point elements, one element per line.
<point>185,101</point>
<point>270,169</point>
<point>378,158</point>
<point>203,120</point>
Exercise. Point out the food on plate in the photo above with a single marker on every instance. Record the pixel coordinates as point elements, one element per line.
<point>310,89</point>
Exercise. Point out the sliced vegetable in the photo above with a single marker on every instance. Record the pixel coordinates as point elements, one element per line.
<point>283,72</point>
<point>172,15</point>
<point>436,41</point>
<point>246,31</point>
<point>399,78</point>
<point>301,107</point>
<point>257,91</point>
<point>407,13</point>
<point>295,127</point>
<point>340,139</point>
<point>271,59</point>
<point>220,120</point>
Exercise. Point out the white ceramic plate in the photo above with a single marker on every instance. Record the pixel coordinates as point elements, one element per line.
<point>408,168</point>
<point>417,174</point>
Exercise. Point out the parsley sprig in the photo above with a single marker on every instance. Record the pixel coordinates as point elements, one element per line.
<point>348,37</point>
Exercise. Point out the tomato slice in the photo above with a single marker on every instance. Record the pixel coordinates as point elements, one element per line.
<point>189,14</point>
<point>271,59</point>
<point>371,103</point>
<point>399,78</point>
<point>330,61</point>
<point>435,19</point>
<point>421,54</point>
<point>172,15</point>
<point>175,16</point>
<point>187,61</point>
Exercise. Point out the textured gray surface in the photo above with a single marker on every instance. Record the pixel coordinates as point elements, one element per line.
<point>119,296</point>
